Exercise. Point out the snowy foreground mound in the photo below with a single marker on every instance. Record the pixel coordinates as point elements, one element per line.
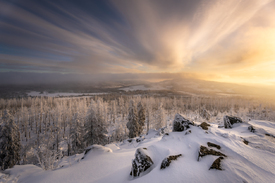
<point>249,157</point>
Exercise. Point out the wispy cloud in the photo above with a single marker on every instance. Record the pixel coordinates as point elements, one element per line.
<point>205,37</point>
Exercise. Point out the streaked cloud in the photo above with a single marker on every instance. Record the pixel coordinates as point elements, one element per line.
<point>215,39</point>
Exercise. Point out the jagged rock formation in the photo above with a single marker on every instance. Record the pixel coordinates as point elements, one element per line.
<point>204,151</point>
<point>141,163</point>
<point>180,123</point>
<point>167,161</point>
<point>210,144</point>
<point>216,164</point>
<point>230,120</point>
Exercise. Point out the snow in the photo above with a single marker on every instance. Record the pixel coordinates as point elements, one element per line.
<point>46,94</point>
<point>254,162</point>
<point>143,88</point>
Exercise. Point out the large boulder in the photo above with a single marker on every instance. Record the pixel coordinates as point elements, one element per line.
<point>141,163</point>
<point>230,120</point>
<point>180,123</point>
<point>167,161</point>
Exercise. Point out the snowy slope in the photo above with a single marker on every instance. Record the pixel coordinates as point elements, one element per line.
<point>254,162</point>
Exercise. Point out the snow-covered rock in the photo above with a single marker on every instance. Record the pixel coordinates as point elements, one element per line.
<point>180,123</point>
<point>167,161</point>
<point>141,163</point>
<point>230,120</point>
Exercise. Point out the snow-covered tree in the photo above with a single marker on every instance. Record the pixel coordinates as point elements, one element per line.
<point>140,117</point>
<point>133,124</point>
<point>9,142</point>
<point>96,127</point>
<point>160,117</point>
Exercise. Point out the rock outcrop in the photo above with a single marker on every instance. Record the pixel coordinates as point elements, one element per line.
<point>204,151</point>
<point>141,163</point>
<point>251,129</point>
<point>180,123</point>
<point>204,125</point>
<point>167,161</point>
<point>230,120</point>
<point>216,164</point>
<point>210,144</point>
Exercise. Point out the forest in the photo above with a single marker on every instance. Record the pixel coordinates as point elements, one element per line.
<point>42,130</point>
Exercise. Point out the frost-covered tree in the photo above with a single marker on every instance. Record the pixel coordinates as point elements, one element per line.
<point>9,142</point>
<point>133,124</point>
<point>96,126</point>
<point>77,135</point>
<point>140,117</point>
<point>160,117</point>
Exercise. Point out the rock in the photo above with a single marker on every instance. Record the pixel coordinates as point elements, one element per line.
<point>245,141</point>
<point>167,161</point>
<point>139,139</point>
<point>129,140</point>
<point>204,125</point>
<point>188,132</point>
<point>141,163</point>
<point>267,134</point>
<point>230,120</point>
<point>251,129</point>
<point>96,147</point>
<point>180,123</point>
<point>210,144</point>
<point>216,164</point>
<point>220,126</point>
<point>205,151</point>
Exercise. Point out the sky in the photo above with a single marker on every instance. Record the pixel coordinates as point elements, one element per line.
<point>227,41</point>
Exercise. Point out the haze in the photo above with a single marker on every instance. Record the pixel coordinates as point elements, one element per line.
<point>227,41</point>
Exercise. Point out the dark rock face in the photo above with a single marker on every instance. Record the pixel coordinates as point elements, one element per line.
<point>141,162</point>
<point>216,164</point>
<point>204,125</point>
<point>230,120</point>
<point>204,151</point>
<point>180,123</point>
<point>167,161</point>
<point>251,129</point>
<point>210,144</point>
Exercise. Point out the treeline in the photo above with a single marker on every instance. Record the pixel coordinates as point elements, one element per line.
<point>50,128</point>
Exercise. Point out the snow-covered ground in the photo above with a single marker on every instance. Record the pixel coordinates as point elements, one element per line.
<point>46,94</point>
<point>254,162</point>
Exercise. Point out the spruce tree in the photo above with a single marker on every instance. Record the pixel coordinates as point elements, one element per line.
<point>9,142</point>
<point>132,124</point>
<point>141,117</point>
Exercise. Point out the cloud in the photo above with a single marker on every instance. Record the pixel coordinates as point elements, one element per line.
<point>208,38</point>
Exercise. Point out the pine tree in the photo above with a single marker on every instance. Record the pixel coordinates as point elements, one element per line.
<point>160,117</point>
<point>9,142</point>
<point>140,117</point>
<point>96,127</point>
<point>132,124</point>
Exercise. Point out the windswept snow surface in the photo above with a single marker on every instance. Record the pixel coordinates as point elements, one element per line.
<point>254,162</point>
